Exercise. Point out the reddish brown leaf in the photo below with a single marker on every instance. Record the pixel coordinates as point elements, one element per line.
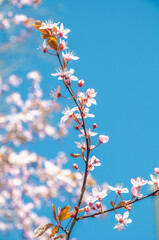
<point>75,155</point>
<point>54,212</point>
<point>63,212</point>
<point>68,215</point>
<point>112,204</point>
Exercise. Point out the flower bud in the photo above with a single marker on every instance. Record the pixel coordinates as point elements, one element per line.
<point>76,127</point>
<point>98,205</point>
<point>80,83</point>
<point>86,209</point>
<point>94,126</point>
<point>93,208</point>
<point>72,215</point>
<point>68,82</point>
<point>75,166</point>
<point>76,208</point>
<point>90,204</point>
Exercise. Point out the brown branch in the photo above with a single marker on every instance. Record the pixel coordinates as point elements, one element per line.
<point>87,158</point>
<point>122,206</point>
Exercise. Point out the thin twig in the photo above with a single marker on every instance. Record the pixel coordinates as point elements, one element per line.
<point>122,206</point>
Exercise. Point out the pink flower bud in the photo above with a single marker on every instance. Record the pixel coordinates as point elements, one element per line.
<point>93,208</point>
<point>80,83</point>
<point>103,139</point>
<point>87,209</point>
<point>59,95</point>
<point>98,205</point>
<point>76,127</point>
<point>90,204</point>
<point>72,215</point>
<point>76,208</point>
<point>94,126</point>
<point>156,170</point>
<point>75,166</point>
<point>68,82</point>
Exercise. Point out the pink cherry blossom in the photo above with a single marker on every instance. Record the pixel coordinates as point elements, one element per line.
<point>85,113</point>
<point>103,139</point>
<point>68,112</point>
<point>118,189</point>
<point>81,145</point>
<point>63,45</point>
<point>64,74</point>
<point>138,182</point>
<point>154,181</point>
<point>69,56</point>
<point>63,32</point>
<point>89,133</point>
<point>136,192</point>
<point>87,101</point>
<point>122,221</point>
<point>44,47</point>
<point>93,162</point>
<point>97,195</point>
<point>91,93</point>
<point>48,25</point>
<point>56,94</point>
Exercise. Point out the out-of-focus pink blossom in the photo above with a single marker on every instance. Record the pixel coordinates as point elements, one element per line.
<point>35,76</point>
<point>15,98</point>
<point>14,80</point>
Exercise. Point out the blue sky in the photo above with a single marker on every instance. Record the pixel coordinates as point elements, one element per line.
<point>118,46</point>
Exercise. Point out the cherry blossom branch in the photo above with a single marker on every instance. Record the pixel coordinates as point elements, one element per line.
<point>119,207</point>
<point>83,101</point>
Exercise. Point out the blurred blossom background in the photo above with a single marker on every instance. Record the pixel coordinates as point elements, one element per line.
<point>118,46</point>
